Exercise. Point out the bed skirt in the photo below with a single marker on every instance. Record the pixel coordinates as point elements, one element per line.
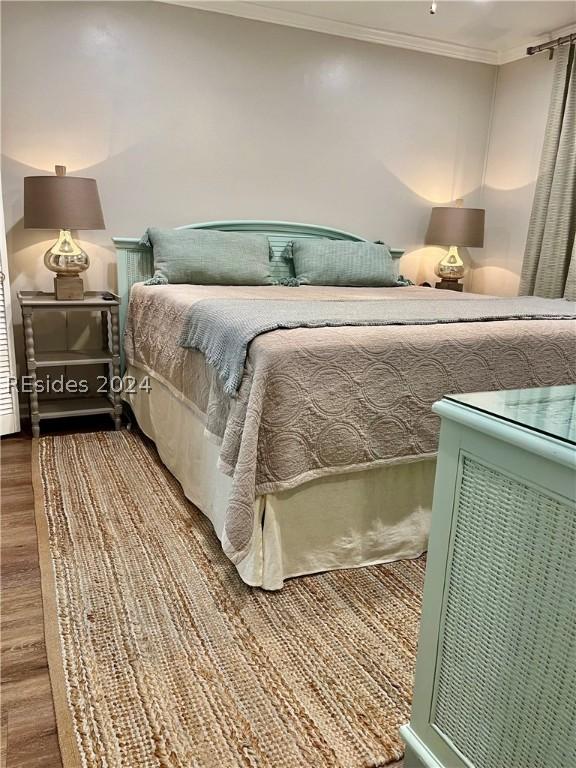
<point>339,521</point>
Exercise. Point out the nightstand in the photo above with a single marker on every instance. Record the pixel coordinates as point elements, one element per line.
<point>109,401</point>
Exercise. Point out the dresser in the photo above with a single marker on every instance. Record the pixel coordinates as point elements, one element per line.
<point>495,682</point>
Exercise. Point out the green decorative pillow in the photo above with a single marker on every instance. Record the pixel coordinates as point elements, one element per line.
<point>341,262</point>
<point>209,257</point>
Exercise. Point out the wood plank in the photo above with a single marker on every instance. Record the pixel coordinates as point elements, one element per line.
<point>29,738</point>
<point>3,738</point>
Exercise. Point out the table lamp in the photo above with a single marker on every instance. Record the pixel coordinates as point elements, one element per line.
<point>65,203</point>
<point>454,227</point>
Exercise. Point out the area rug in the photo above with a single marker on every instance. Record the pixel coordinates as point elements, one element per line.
<point>159,654</point>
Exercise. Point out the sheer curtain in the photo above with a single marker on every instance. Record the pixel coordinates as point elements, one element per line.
<point>549,267</point>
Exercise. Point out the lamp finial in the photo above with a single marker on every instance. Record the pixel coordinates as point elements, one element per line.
<point>60,170</point>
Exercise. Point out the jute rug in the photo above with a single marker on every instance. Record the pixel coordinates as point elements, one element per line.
<point>160,656</point>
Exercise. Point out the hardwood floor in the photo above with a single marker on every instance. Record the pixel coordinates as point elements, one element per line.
<point>28,726</point>
<point>29,737</point>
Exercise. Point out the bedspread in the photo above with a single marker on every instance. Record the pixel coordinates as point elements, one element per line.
<point>222,329</point>
<point>327,400</point>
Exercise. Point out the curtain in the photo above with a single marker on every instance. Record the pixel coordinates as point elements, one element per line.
<point>549,267</point>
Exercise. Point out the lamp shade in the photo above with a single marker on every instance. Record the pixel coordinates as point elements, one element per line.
<point>456,226</point>
<point>61,202</point>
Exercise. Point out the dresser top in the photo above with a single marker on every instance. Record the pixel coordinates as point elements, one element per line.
<point>548,410</point>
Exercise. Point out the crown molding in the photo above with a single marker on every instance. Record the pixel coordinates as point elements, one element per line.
<point>342,29</point>
<point>270,15</point>
<point>513,54</point>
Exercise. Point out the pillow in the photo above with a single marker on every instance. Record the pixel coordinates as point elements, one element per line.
<point>341,262</point>
<point>209,257</point>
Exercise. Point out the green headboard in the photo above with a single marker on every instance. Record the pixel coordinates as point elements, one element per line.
<point>135,262</point>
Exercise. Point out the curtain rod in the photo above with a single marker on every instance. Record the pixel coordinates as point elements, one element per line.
<point>551,45</point>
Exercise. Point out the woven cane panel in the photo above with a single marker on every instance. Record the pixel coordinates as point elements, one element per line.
<point>139,266</point>
<point>507,671</point>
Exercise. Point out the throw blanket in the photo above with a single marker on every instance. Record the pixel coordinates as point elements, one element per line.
<point>222,329</point>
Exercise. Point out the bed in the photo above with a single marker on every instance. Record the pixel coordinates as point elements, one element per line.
<point>327,455</point>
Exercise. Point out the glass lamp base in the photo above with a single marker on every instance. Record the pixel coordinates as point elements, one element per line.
<point>68,288</point>
<point>66,257</point>
<point>451,267</point>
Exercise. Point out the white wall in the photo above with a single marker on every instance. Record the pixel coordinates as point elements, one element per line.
<point>517,133</point>
<point>183,115</point>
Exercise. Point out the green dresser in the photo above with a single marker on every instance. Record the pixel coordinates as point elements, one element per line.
<point>496,671</point>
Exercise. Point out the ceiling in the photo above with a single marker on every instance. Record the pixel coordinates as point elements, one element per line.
<point>492,31</point>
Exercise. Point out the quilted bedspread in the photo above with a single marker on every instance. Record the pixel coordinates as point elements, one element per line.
<point>222,329</point>
<point>316,401</point>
